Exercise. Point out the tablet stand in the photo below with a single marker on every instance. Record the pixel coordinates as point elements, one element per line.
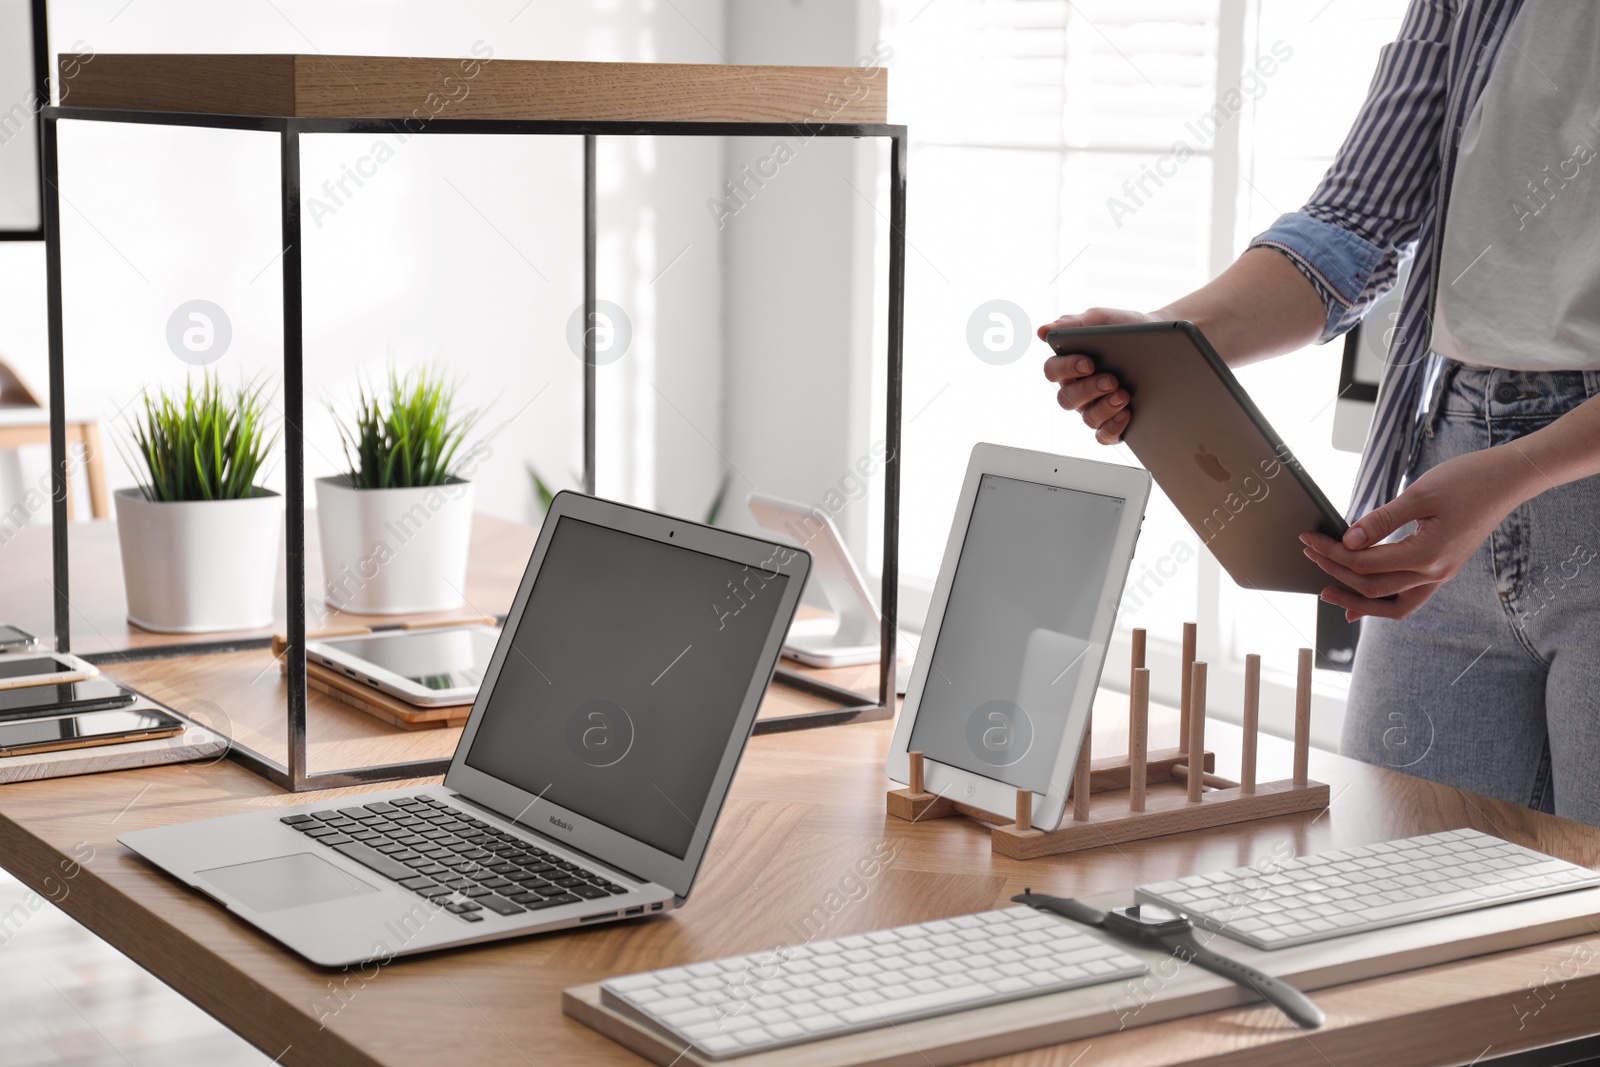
<point>1148,794</point>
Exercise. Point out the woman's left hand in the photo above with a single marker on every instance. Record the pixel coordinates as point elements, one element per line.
<point>1456,505</point>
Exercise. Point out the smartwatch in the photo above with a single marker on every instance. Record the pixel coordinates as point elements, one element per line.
<point>1151,924</point>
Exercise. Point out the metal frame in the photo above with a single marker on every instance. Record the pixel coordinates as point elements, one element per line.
<point>294,775</point>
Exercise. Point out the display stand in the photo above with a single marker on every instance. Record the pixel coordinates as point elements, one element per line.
<point>290,97</point>
<point>1148,794</point>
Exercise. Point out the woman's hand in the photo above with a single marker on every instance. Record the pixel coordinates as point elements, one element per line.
<point>1456,505</point>
<point>1098,398</point>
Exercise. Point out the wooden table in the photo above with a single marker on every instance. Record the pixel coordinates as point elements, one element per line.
<point>804,807</point>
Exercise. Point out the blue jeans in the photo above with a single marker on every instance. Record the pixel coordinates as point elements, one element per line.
<point>1493,685</point>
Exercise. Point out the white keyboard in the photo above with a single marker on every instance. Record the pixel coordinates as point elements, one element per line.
<point>1351,890</point>
<point>744,1004</point>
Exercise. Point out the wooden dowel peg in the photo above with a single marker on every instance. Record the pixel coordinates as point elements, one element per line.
<point>1186,681</point>
<point>1138,642</point>
<point>1252,723</point>
<point>915,782</point>
<point>1302,718</point>
<point>1024,809</point>
<point>1083,777</point>
<point>1138,725</point>
<point>1197,730</point>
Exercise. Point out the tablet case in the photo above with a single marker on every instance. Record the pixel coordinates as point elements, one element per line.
<point>1212,452</point>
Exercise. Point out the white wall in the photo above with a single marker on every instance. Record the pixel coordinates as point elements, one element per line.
<point>802,307</point>
<point>436,256</point>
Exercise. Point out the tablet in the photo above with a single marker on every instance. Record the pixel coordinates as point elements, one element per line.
<point>1017,628</point>
<point>1212,452</point>
<point>851,635</point>
<point>429,667</point>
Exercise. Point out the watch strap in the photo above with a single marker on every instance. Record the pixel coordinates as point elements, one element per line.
<point>1280,994</point>
<point>1065,907</point>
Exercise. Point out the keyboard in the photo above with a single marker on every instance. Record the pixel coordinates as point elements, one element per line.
<point>447,856</point>
<point>1351,890</point>
<point>808,992</point>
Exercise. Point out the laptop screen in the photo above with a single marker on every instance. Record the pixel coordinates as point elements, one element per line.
<point>624,678</point>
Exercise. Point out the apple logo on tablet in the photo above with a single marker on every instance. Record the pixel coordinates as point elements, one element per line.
<point>1212,465</point>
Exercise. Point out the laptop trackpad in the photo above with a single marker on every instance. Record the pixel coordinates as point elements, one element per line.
<point>285,882</point>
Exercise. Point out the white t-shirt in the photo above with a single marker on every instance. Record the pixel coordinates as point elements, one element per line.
<point>1519,273</point>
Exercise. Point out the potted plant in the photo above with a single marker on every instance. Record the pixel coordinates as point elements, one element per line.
<point>396,528</point>
<point>200,539</point>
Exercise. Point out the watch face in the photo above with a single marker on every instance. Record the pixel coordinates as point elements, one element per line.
<point>1151,920</point>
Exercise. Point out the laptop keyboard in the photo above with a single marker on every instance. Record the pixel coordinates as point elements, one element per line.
<point>446,856</point>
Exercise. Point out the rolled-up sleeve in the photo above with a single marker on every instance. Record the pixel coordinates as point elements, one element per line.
<point>1381,191</point>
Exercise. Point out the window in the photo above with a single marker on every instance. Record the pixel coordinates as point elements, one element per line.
<point>1076,153</point>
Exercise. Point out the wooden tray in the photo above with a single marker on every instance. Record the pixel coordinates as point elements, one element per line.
<point>195,743</point>
<point>1169,991</point>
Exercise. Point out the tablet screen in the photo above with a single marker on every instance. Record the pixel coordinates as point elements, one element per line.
<point>434,659</point>
<point>1018,630</point>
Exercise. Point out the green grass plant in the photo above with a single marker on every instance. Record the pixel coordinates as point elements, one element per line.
<point>405,433</point>
<point>205,444</point>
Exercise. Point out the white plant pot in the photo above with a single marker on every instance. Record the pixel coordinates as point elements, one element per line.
<point>202,565</point>
<point>394,551</point>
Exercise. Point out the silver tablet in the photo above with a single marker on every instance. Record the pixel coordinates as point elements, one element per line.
<point>429,667</point>
<point>1018,627</point>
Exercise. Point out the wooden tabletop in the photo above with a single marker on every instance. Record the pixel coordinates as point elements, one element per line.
<point>476,86</point>
<point>804,807</point>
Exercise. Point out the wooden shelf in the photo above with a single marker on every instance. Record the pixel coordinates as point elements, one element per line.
<point>499,555</point>
<point>394,87</point>
<point>245,696</point>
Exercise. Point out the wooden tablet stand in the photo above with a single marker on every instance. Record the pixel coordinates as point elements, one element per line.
<point>1148,794</point>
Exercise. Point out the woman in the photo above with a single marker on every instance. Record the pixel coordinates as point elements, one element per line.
<point>1476,149</point>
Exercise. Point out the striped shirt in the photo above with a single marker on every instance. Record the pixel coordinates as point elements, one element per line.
<point>1384,199</point>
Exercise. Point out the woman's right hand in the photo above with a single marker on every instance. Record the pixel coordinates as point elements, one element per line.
<point>1098,398</point>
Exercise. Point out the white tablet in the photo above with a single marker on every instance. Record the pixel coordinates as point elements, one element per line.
<point>428,666</point>
<point>1018,627</point>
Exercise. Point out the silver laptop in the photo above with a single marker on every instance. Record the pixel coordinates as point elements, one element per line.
<point>589,775</point>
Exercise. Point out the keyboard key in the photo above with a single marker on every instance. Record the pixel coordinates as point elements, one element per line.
<point>551,902</point>
<point>297,820</point>
<point>371,857</point>
<point>499,905</point>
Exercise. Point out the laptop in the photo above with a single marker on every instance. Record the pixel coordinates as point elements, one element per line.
<point>588,778</point>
